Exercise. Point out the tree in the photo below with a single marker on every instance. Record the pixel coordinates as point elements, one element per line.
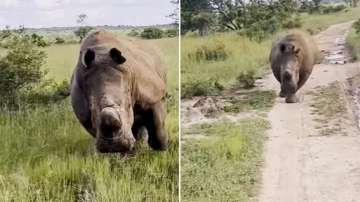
<point>175,14</point>
<point>196,15</point>
<point>202,22</point>
<point>81,19</point>
<point>83,30</point>
<point>20,69</point>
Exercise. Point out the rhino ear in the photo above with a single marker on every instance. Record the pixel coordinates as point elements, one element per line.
<point>117,57</point>
<point>88,57</point>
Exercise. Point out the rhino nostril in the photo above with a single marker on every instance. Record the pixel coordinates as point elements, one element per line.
<point>109,123</point>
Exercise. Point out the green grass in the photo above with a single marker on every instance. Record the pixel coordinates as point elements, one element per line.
<point>224,165</point>
<point>353,42</point>
<point>45,154</point>
<point>214,61</point>
<point>253,100</point>
<point>242,55</point>
<point>318,22</point>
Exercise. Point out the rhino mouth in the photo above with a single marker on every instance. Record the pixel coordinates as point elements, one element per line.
<point>112,136</point>
<point>114,145</point>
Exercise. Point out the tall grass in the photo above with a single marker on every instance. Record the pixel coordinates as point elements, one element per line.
<point>226,55</point>
<point>223,165</point>
<point>315,23</point>
<point>46,155</point>
<point>353,42</point>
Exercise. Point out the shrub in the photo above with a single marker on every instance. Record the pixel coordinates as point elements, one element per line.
<point>292,23</point>
<point>59,40</point>
<point>133,33</point>
<point>47,92</point>
<point>38,40</point>
<point>209,52</point>
<point>332,9</point>
<point>20,69</point>
<point>246,79</point>
<point>81,32</point>
<point>199,88</point>
<point>152,33</point>
<point>171,33</point>
<point>356,26</point>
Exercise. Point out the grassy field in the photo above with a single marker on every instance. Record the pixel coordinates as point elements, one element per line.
<point>317,22</point>
<point>217,60</point>
<point>224,164</point>
<point>46,155</point>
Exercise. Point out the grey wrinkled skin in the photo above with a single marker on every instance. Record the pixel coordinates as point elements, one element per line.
<point>118,88</point>
<point>292,59</point>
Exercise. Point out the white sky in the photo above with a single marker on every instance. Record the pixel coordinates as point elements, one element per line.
<point>51,13</point>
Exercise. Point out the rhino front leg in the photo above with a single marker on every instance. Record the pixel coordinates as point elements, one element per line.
<point>155,125</point>
<point>291,98</point>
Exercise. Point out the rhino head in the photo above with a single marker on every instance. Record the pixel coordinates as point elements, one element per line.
<point>102,97</point>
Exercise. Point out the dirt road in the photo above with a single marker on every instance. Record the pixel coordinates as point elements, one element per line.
<point>302,161</point>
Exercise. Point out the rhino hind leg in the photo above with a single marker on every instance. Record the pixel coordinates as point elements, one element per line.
<point>155,125</point>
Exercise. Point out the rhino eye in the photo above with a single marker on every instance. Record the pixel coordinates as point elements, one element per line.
<point>88,58</point>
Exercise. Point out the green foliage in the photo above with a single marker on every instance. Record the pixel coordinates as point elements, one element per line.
<point>38,40</point>
<point>81,32</point>
<point>353,42</point>
<point>220,57</point>
<point>201,87</point>
<point>292,23</point>
<point>152,33</point>
<point>48,92</point>
<point>209,52</point>
<point>134,33</point>
<point>332,9</point>
<point>356,26</point>
<point>59,40</point>
<point>195,15</point>
<point>255,19</point>
<point>171,33</point>
<point>251,100</point>
<point>224,164</point>
<point>46,155</point>
<point>20,69</point>
<point>246,79</point>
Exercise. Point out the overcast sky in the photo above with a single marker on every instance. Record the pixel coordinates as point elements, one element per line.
<point>49,13</point>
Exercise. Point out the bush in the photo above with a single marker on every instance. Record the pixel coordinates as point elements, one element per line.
<point>152,33</point>
<point>81,32</point>
<point>209,52</point>
<point>20,69</point>
<point>59,40</point>
<point>171,33</point>
<point>47,92</point>
<point>246,79</point>
<point>332,9</point>
<point>39,40</point>
<point>133,33</point>
<point>356,26</point>
<point>292,23</point>
<point>199,88</point>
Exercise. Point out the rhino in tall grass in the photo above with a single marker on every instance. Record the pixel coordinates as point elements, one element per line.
<point>117,88</point>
